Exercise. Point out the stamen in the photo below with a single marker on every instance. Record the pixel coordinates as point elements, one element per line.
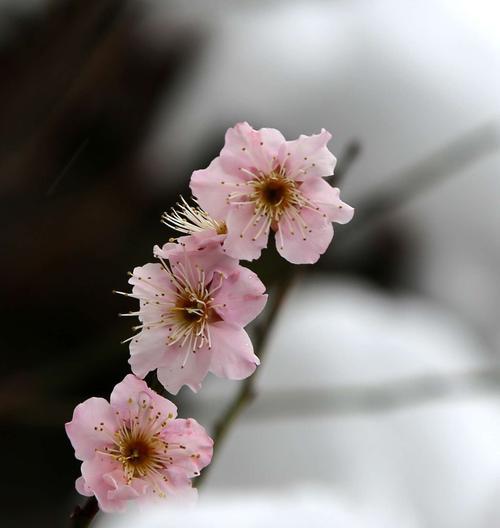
<point>246,171</point>
<point>189,219</point>
<point>280,234</point>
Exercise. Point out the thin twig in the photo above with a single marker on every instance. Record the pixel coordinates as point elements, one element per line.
<point>247,393</point>
<point>441,164</point>
<point>347,157</point>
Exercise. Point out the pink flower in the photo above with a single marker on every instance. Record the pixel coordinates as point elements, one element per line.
<point>261,182</point>
<point>193,307</point>
<point>134,448</point>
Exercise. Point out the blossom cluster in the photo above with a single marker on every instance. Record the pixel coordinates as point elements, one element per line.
<point>194,302</point>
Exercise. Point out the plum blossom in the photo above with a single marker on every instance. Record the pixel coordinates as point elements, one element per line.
<point>262,182</point>
<point>194,304</point>
<point>134,448</point>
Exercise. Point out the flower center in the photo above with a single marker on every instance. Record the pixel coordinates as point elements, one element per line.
<point>189,320</point>
<point>191,310</point>
<point>275,197</point>
<point>273,193</point>
<point>137,453</point>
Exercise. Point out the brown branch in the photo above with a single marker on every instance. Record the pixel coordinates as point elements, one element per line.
<point>82,516</point>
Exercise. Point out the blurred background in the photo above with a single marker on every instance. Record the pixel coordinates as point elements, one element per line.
<point>378,402</point>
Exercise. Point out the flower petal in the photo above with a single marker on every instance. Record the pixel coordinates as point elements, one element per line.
<point>233,356</point>
<point>183,367</point>
<point>247,234</point>
<point>201,240</point>
<point>327,198</point>
<point>241,297</point>
<point>304,246</point>
<point>93,422</point>
<point>197,446</point>
<point>211,186</point>
<point>94,472</point>
<point>133,393</point>
<point>147,350</point>
<point>255,150</point>
<point>151,283</point>
<point>179,486</point>
<point>189,260</point>
<point>309,156</point>
<point>82,488</point>
<point>120,491</point>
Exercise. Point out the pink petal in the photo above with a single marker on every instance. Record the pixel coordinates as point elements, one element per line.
<point>256,150</point>
<point>306,246</point>
<point>211,186</point>
<point>209,259</point>
<point>176,486</point>
<point>183,367</point>
<point>205,241</point>
<point>82,488</point>
<point>147,350</point>
<point>94,472</point>
<point>121,491</point>
<point>198,446</point>
<point>233,356</point>
<point>244,240</point>
<point>133,392</point>
<point>179,487</point>
<point>241,297</point>
<point>327,198</point>
<point>93,422</point>
<point>150,279</point>
<point>201,240</point>
<point>309,156</point>
<point>151,282</point>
